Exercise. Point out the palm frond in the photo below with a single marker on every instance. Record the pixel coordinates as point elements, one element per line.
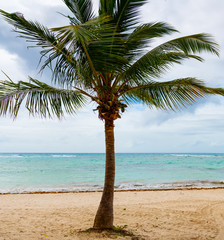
<point>172,95</point>
<point>40,99</point>
<point>82,10</point>
<point>191,44</point>
<point>32,31</point>
<point>154,63</point>
<point>126,14</point>
<point>144,34</point>
<point>41,36</point>
<point>151,66</point>
<point>107,7</point>
<point>93,41</point>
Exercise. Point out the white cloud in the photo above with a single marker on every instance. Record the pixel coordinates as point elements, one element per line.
<point>81,133</point>
<point>155,131</point>
<point>11,64</point>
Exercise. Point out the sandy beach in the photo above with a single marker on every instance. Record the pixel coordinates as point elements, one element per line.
<point>174,214</point>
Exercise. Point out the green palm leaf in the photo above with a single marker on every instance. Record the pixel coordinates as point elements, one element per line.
<point>191,44</point>
<point>170,95</point>
<point>154,63</point>
<point>82,10</point>
<point>126,14</point>
<point>144,34</point>
<point>67,49</point>
<point>40,99</point>
<point>107,7</point>
<point>51,48</point>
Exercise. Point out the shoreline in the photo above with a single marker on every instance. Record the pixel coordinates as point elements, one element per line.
<point>120,190</point>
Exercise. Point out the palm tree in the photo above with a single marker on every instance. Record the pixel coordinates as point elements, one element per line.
<point>106,59</point>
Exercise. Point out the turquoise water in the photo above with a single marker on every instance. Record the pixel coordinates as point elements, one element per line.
<point>23,172</point>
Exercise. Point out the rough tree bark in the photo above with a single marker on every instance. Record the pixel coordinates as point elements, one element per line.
<point>104,216</point>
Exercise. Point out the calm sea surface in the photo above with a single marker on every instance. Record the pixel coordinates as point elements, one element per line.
<point>22,172</point>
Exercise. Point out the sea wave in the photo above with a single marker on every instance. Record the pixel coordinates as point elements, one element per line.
<point>118,187</point>
<point>10,156</point>
<point>197,155</point>
<point>63,156</point>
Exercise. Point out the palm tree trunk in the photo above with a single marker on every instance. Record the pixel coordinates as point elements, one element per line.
<point>104,216</point>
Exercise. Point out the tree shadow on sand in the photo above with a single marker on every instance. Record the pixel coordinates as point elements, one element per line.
<point>117,231</point>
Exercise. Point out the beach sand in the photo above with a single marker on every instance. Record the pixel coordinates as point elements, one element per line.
<point>174,214</point>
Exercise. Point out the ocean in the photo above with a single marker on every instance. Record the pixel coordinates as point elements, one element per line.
<point>47,172</point>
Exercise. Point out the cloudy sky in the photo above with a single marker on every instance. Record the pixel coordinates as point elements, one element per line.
<point>200,128</point>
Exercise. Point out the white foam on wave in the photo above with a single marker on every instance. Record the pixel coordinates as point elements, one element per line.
<point>196,155</point>
<point>121,186</point>
<point>63,156</point>
<point>10,156</point>
<point>181,155</point>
